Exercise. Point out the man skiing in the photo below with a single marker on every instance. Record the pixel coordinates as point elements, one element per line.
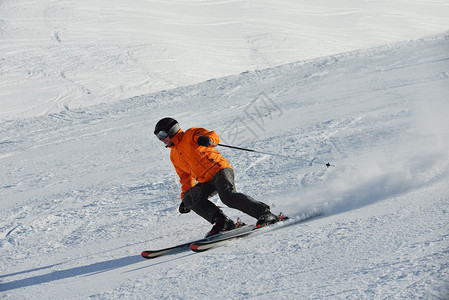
<point>203,173</point>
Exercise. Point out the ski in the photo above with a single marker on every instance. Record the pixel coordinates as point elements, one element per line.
<point>204,245</point>
<point>165,251</point>
<point>149,254</point>
<point>223,238</point>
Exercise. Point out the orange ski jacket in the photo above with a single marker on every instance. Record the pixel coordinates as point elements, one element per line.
<point>194,163</point>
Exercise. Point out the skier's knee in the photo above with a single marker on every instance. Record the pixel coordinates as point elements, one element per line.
<point>188,200</point>
<point>192,197</point>
<point>228,198</point>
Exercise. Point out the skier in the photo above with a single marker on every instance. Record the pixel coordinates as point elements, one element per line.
<point>203,173</point>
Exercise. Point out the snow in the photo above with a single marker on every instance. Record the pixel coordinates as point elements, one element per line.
<point>85,186</point>
<point>58,55</point>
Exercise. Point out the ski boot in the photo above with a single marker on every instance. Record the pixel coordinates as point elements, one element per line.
<point>267,218</point>
<point>221,223</point>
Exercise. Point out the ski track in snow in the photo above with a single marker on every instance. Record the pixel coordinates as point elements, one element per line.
<point>85,190</point>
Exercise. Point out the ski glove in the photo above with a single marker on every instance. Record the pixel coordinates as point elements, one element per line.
<point>183,209</point>
<point>204,141</point>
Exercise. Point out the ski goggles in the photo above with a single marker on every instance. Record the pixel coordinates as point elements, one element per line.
<point>162,135</point>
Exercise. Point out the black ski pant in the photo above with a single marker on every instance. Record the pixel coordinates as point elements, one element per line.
<point>196,198</point>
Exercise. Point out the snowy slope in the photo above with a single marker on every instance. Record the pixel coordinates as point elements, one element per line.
<point>58,54</point>
<point>85,190</point>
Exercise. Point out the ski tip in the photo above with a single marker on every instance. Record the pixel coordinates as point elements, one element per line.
<point>194,247</point>
<point>198,248</point>
<point>149,254</point>
<point>145,254</point>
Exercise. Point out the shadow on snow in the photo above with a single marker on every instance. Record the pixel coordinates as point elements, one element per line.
<point>92,269</point>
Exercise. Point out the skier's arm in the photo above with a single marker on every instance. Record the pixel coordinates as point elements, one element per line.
<point>204,137</point>
<point>186,181</point>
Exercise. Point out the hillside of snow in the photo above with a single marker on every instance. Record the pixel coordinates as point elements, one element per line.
<point>84,191</point>
<point>58,54</point>
<point>85,186</point>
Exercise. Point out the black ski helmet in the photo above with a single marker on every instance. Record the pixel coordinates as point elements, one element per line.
<point>169,125</point>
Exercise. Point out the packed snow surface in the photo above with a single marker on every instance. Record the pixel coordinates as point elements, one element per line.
<point>59,54</point>
<point>86,188</point>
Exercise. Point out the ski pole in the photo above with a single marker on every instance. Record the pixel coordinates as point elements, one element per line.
<point>263,152</point>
